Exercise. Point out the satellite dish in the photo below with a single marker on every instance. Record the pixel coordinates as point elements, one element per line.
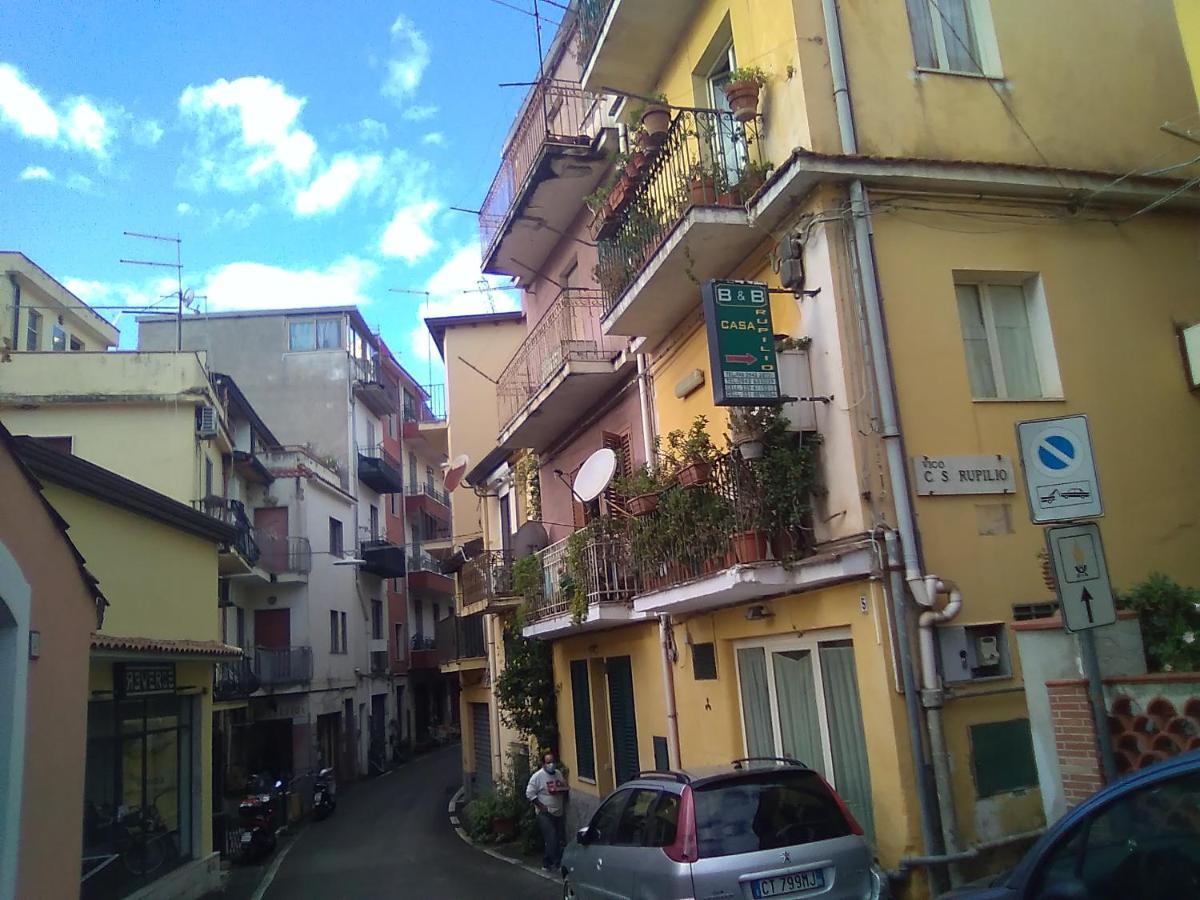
<point>595,474</point>
<point>529,539</point>
<point>454,475</point>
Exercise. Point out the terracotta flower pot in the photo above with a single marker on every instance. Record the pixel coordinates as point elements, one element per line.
<point>617,197</point>
<point>750,184</point>
<point>643,504</point>
<point>750,546</point>
<point>704,191</point>
<point>635,164</point>
<point>504,827</point>
<point>657,121</point>
<point>729,198</point>
<point>604,225</point>
<point>743,99</point>
<point>694,473</point>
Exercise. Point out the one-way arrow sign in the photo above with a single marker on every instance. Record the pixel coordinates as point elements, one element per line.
<point>1084,592</point>
<point>745,359</point>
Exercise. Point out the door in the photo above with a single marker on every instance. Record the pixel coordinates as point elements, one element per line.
<point>506,524</point>
<point>272,637</point>
<point>271,528</point>
<point>622,718</point>
<point>481,741</point>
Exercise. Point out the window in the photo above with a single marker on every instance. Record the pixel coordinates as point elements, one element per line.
<point>58,338</point>
<point>704,662</point>
<point>603,827</point>
<point>315,334</point>
<point>240,619</point>
<point>208,477</point>
<point>663,821</point>
<point>334,644</point>
<point>1143,845</point>
<point>342,616</point>
<point>302,335</point>
<point>76,344</point>
<point>395,506</point>
<point>418,616</point>
<point>329,334</point>
<point>374,519</point>
<point>391,422</point>
<point>954,36</point>
<point>635,818</point>
<point>412,470</point>
<point>1006,337</point>
<point>398,628</point>
<point>581,705</point>
<point>335,537</point>
<point>376,620</point>
<point>33,331</point>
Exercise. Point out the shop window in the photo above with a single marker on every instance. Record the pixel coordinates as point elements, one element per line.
<point>1002,757</point>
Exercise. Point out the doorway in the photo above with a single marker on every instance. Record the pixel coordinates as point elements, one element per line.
<point>727,144</point>
<point>271,529</point>
<point>622,718</point>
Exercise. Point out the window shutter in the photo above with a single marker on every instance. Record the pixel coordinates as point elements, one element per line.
<point>622,447</point>
<point>585,752</point>
<point>623,718</point>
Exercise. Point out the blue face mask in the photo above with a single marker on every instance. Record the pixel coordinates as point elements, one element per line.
<point>549,767</point>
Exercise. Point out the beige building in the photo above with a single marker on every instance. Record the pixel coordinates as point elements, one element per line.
<point>38,313</point>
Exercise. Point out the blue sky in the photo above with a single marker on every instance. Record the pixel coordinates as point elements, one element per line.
<point>307,153</point>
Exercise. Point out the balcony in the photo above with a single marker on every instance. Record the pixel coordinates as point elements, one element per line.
<point>683,222</point>
<point>282,666</point>
<point>287,557</point>
<point>485,584</point>
<point>556,155</point>
<point>460,643</point>
<point>625,44</point>
<point>425,574</point>
<point>240,556</point>
<point>425,418</point>
<point>427,497</point>
<point>380,556</point>
<point>438,540</point>
<point>379,470</point>
<point>584,588</point>
<point>234,680</point>
<point>563,367</point>
<point>380,396</point>
<point>424,653</point>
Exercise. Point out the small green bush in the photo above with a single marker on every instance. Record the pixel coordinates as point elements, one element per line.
<point>1169,614</point>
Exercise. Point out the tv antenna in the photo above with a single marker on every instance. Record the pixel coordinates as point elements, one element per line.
<point>183,298</point>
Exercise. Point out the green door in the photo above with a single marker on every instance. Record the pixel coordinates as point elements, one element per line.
<point>622,718</point>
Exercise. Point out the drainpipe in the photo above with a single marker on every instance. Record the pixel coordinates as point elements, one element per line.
<point>924,587</point>
<point>644,401</point>
<point>16,326</point>
<point>664,640</point>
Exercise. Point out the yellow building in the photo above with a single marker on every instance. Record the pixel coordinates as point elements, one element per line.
<point>38,313</point>
<point>1189,29</point>
<point>148,760</point>
<point>963,225</point>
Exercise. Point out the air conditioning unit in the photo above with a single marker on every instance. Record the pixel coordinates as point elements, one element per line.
<point>206,422</point>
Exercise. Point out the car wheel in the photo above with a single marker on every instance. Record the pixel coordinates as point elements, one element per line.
<point>568,889</point>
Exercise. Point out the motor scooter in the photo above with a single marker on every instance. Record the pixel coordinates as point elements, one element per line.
<point>256,814</point>
<point>324,794</point>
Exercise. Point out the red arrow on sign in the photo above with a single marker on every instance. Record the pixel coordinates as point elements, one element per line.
<point>745,359</point>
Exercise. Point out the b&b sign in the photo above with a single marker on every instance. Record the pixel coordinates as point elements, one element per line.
<point>741,343</point>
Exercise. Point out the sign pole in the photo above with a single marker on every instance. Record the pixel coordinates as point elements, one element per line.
<point>1091,669</point>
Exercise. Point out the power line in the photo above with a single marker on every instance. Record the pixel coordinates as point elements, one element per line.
<point>526,12</point>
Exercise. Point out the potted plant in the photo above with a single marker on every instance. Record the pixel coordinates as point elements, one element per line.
<point>641,488</point>
<point>754,176</point>
<point>742,91</point>
<point>703,179</point>
<point>692,452</point>
<point>746,430</point>
<point>656,120</point>
<point>750,546</point>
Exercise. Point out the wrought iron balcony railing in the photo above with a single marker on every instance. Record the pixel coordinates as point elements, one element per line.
<point>379,452</point>
<point>430,409</point>
<point>460,638</point>
<point>592,14</point>
<point>568,330</point>
<point>707,159</point>
<point>555,112</point>
<point>420,561</point>
<point>233,512</point>
<point>285,554</point>
<point>279,667</point>
<point>235,679</point>
<point>487,577</point>
<point>429,489</point>
<point>602,573</point>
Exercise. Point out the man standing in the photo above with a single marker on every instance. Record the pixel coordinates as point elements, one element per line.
<point>548,791</point>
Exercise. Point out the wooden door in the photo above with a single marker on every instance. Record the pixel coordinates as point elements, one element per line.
<point>271,529</point>
<point>273,628</point>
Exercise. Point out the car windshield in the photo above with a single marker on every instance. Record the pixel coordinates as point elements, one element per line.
<point>765,810</point>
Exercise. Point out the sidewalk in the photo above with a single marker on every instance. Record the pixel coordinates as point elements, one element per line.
<point>509,852</point>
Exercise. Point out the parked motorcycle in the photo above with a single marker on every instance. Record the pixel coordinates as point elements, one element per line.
<point>257,815</point>
<point>324,794</point>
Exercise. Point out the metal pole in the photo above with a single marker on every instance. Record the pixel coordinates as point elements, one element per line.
<point>1091,670</point>
<point>664,639</point>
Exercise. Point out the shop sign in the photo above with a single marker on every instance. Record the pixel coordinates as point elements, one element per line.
<point>935,475</point>
<point>741,343</point>
<point>144,679</point>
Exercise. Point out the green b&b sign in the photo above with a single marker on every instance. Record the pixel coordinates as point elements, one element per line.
<point>741,343</point>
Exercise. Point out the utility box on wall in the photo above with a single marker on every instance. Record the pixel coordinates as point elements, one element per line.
<point>971,652</point>
<point>795,380</point>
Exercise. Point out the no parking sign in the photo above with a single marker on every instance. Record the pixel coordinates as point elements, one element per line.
<point>1060,472</point>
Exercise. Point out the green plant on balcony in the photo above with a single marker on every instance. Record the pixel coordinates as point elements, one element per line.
<point>573,582</point>
<point>692,452</point>
<point>754,176</point>
<point>527,476</point>
<point>527,584</point>
<point>708,183</point>
<point>742,91</point>
<point>525,689</point>
<point>785,479</point>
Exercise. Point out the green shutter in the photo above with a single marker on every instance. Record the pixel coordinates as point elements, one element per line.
<point>756,701</point>
<point>796,693</point>
<point>585,751</point>
<point>851,774</point>
<point>621,714</point>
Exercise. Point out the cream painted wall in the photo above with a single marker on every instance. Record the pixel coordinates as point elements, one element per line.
<point>41,293</point>
<point>1188,14</point>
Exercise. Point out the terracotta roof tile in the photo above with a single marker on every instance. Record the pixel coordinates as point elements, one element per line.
<point>163,645</point>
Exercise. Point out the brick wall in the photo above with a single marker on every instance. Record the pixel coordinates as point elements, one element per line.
<point>1075,739</point>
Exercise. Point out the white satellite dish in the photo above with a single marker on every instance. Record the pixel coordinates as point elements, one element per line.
<point>595,474</point>
<point>454,475</point>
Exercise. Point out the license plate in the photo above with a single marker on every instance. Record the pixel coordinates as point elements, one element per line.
<point>792,883</point>
<point>246,837</point>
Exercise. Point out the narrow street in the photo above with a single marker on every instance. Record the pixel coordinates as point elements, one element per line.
<point>391,838</point>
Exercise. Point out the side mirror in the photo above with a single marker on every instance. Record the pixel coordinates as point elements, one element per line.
<point>1067,889</point>
<point>584,835</point>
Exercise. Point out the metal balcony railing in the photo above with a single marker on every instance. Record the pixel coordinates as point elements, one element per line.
<point>437,532</point>
<point>279,667</point>
<point>592,14</point>
<point>420,561</point>
<point>430,409</point>
<point>604,568</point>
<point>378,452</point>
<point>234,679</point>
<point>233,512</point>
<point>460,638</point>
<point>429,489</point>
<point>368,371</point>
<point>285,554</point>
<point>374,537</point>
<point>555,112</point>
<point>568,330</point>
<point>486,578</point>
<point>708,159</point>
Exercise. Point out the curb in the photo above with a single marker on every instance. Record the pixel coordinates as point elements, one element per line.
<point>461,832</point>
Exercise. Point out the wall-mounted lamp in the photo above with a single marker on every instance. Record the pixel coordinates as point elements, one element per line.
<point>757,612</point>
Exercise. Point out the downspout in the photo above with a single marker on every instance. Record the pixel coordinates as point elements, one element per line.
<point>644,401</point>
<point>16,326</point>
<point>924,587</point>
<point>664,640</point>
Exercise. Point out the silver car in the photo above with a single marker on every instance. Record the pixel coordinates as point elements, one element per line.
<point>762,828</point>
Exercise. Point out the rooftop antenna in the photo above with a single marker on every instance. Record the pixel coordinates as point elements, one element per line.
<point>177,266</point>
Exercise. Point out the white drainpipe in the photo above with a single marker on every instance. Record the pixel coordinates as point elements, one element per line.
<point>924,588</point>
<point>664,639</point>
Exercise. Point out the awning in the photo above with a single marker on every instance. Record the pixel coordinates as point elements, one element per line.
<point>108,644</point>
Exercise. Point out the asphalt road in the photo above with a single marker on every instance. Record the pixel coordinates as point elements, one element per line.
<point>391,838</point>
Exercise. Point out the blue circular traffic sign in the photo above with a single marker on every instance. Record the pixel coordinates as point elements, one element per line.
<point>1056,452</point>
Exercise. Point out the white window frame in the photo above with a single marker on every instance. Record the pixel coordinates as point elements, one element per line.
<point>980,13</point>
<point>33,330</point>
<point>58,338</point>
<point>812,643</point>
<point>1040,334</point>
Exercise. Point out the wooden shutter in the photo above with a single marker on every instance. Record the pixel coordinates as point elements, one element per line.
<point>623,718</point>
<point>581,705</point>
<point>623,448</point>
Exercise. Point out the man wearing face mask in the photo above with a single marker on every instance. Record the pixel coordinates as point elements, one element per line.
<point>548,790</point>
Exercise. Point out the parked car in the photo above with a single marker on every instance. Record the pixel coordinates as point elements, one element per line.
<point>762,828</point>
<point>1137,838</point>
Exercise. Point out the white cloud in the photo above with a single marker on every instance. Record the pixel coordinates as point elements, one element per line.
<point>371,130</point>
<point>237,218</point>
<point>147,132</point>
<point>36,173</point>
<point>461,271</point>
<point>434,139</point>
<point>331,188</point>
<point>81,183</point>
<point>407,65</point>
<point>420,113</point>
<point>407,235</point>
<point>183,208</point>
<point>22,106</point>
<point>78,123</point>
<point>252,285</point>
<point>149,292</point>
<point>86,127</point>
<point>247,131</point>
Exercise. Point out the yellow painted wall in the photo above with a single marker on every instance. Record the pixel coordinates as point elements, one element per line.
<point>1188,14</point>
<point>161,582</point>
